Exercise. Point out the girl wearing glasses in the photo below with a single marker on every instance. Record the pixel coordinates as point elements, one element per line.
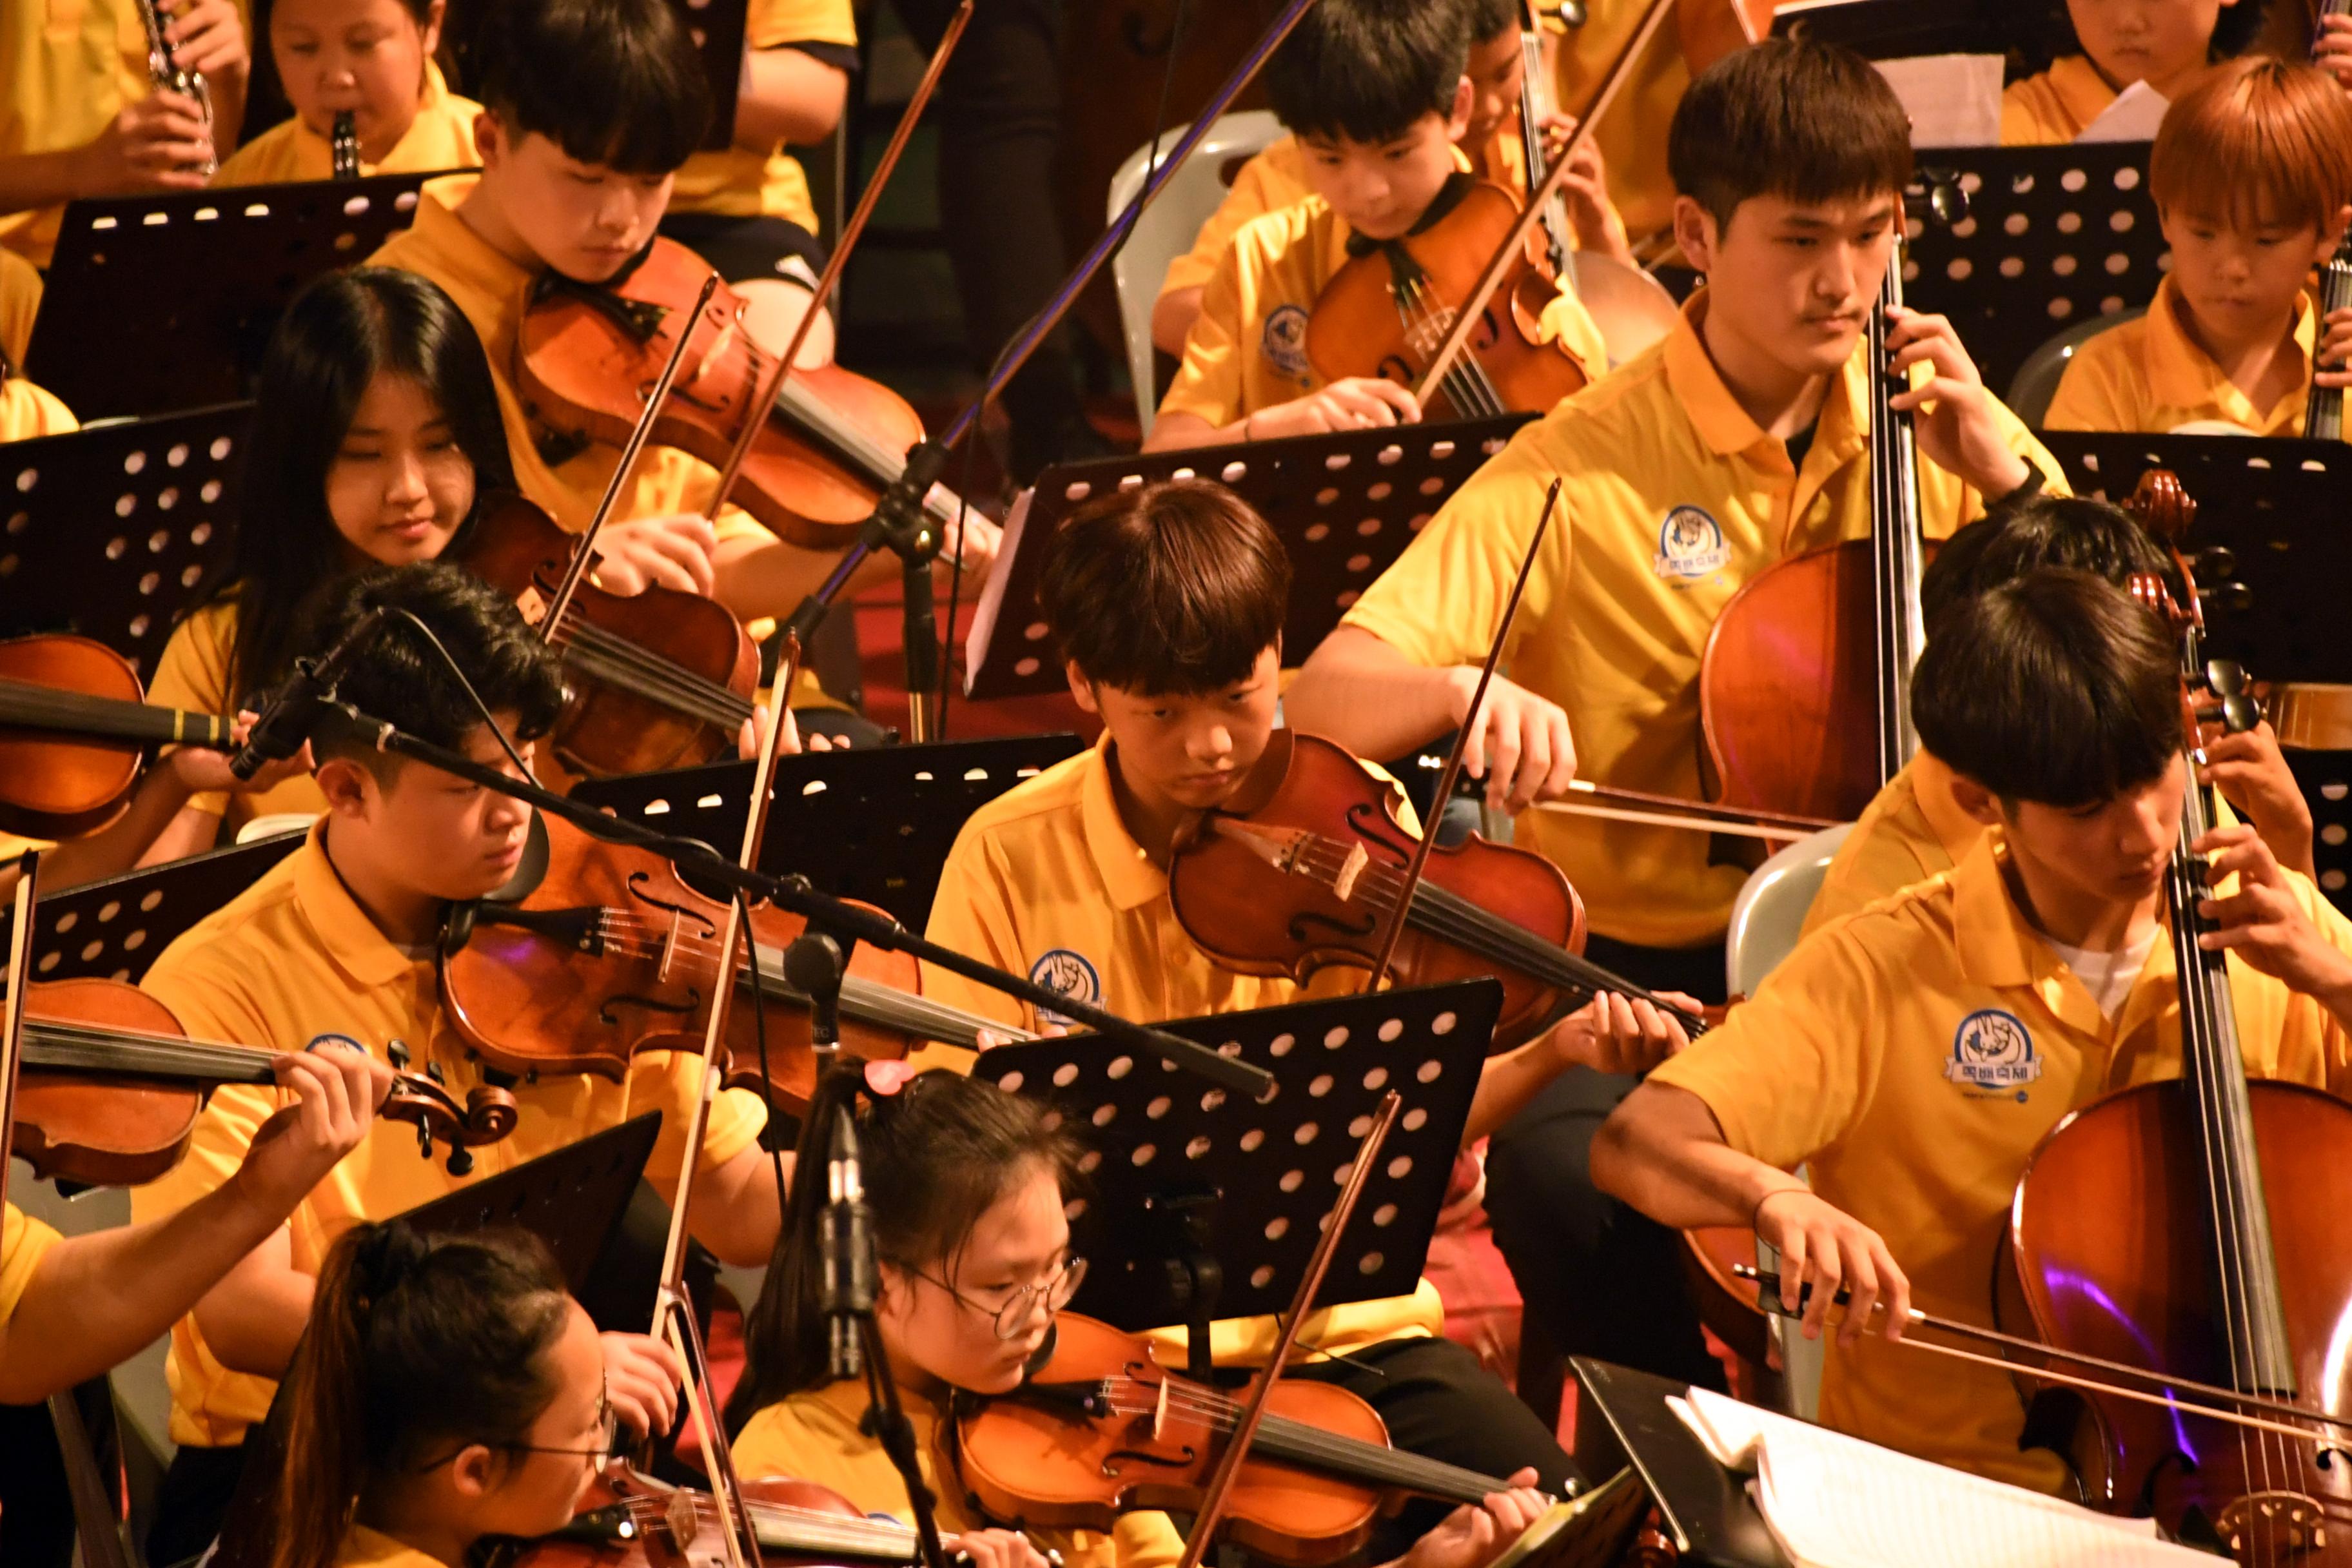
<point>965,1183</point>
<point>446,1389</point>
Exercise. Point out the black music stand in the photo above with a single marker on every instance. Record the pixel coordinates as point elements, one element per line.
<point>113,928</point>
<point>110,533</point>
<point>1346,506</point>
<point>1163,1148</point>
<point>2054,236</point>
<point>874,824</point>
<point>157,303</point>
<point>1623,1420</point>
<point>2325,778</point>
<point>2276,506</point>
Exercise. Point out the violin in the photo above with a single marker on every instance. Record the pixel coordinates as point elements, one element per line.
<point>656,679</point>
<point>1385,312</point>
<point>1814,643</point>
<point>1299,870</point>
<point>607,952</point>
<point>1101,1429</point>
<point>112,1085</point>
<point>641,1522</point>
<point>831,443</point>
<point>73,731</point>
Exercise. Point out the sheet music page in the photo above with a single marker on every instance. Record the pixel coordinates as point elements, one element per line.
<point>1954,101</point>
<point>992,598</point>
<point>1835,1501</point>
<point>2134,116</point>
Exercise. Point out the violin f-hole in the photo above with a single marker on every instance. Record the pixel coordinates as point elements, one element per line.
<point>1110,1465</point>
<point>606,1016</point>
<point>1366,823</point>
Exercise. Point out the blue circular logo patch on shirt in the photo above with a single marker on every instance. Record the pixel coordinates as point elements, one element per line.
<point>1690,545</point>
<point>1067,973</point>
<point>1284,341</point>
<point>1994,1051</point>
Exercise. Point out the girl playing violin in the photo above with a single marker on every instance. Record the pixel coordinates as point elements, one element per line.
<point>965,1183</point>
<point>446,1389</point>
<point>371,60</point>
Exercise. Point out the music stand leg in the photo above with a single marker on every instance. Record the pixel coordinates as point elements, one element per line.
<point>1187,1224</point>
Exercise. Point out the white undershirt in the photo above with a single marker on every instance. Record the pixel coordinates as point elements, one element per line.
<point>2108,975</point>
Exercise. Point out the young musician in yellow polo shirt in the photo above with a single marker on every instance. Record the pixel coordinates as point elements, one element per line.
<point>2251,174</point>
<point>341,939</point>
<point>1277,177</point>
<point>374,60</point>
<point>745,208</point>
<point>1166,606</point>
<point>79,115</point>
<point>1737,442</point>
<point>1915,1055</point>
<point>965,1186</point>
<point>1916,827</point>
<point>1376,91</point>
<point>590,108</point>
<point>2101,47</point>
<point>72,1307</point>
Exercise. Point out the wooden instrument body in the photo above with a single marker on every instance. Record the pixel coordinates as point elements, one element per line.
<point>99,1130</point>
<point>2110,1234</point>
<point>533,999</point>
<point>64,786</point>
<point>687,1533</point>
<point>607,729</point>
<point>585,365</point>
<point>1035,1466</point>
<point>1357,329</point>
<point>1253,918</point>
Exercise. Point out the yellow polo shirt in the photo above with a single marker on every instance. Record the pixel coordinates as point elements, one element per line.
<point>294,957</point>
<point>814,1436</point>
<point>366,1548</point>
<point>193,675</point>
<point>738,181</point>
<point>440,137</point>
<point>1671,499</point>
<point>1247,351</point>
<point>1868,1055</point>
<point>27,411</point>
<point>1272,180</point>
<point>1047,882</point>
<point>24,1242</point>
<point>2150,374</point>
<point>1632,135</point>
<point>2056,106</point>
<point>20,302</point>
<point>494,291</point>
<point>1910,831</point>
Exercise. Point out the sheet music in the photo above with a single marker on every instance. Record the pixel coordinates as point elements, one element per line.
<point>992,598</point>
<point>1954,101</point>
<point>1835,1501</point>
<point>2134,116</point>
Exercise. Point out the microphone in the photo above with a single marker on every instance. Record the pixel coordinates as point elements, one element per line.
<point>290,713</point>
<point>847,1240</point>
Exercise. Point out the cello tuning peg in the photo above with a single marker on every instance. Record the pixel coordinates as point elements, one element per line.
<point>2216,561</point>
<point>1941,201</point>
<point>2232,597</point>
<point>2225,678</point>
<point>2240,714</point>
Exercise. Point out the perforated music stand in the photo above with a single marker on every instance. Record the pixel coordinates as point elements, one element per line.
<point>875,824</point>
<point>110,533</point>
<point>157,303</point>
<point>2054,236</point>
<point>1345,505</point>
<point>1162,1145</point>
<point>113,928</point>
<point>2278,507</point>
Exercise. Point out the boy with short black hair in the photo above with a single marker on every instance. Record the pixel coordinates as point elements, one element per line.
<point>1376,93</point>
<point>2252,172</point>
<point>590,107</point>
<point>1913,1056</point>
<point>1915,827</point>
<point>1167,605</point>
<point>1738,441</point>
<point>339,938</point>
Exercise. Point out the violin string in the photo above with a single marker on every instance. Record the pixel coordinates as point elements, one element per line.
<point>1466,385</point>
<point>627,664</point>
<point>51,708</point>
<point>811,1527</point>
<point>140,1050</point>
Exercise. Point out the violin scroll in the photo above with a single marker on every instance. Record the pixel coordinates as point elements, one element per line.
<point>488,1114</point>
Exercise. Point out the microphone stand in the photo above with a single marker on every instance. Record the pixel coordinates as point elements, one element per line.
<point>885,1422</point>
<point>857,922</point>
<point>898,523</point>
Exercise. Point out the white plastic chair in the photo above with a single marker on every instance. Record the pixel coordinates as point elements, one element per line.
<point>2036,380</point>
<point>1169,225</point>
<point>1764,921</point>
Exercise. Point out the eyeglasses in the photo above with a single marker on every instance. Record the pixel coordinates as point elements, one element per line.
<point>1012,1315</point>
<point>608,1428</point>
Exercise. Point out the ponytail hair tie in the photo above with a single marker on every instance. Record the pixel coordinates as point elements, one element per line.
<point>886,1077</point>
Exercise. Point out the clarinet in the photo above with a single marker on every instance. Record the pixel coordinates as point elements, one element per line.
<point>167,77</point>
<point>346,142</point>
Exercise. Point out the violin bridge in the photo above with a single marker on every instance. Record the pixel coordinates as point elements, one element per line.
<point>1344,884</point>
